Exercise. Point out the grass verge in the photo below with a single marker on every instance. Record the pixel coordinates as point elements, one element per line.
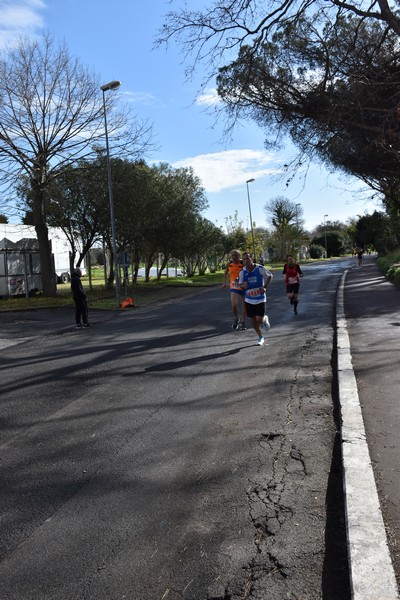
<point>389,265</point>
<point>99,297</point>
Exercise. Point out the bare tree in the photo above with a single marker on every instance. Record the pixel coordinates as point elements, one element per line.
<point>215,34</point>
<point>51,114</point>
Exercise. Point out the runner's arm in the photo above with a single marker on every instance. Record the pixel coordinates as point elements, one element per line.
<point>225,274</point>
<point>242,282</point>
<point>267,277</point>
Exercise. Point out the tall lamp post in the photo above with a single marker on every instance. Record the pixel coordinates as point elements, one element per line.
<point>326,245</point>
<point>113,85</point>
<point>251,219</point>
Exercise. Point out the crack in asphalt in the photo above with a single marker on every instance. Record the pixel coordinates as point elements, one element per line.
<point>268,505</point>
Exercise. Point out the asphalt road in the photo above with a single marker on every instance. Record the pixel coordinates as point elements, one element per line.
<point>161,455</point>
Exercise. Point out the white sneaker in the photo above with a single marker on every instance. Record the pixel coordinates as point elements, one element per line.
<point>266,324</point>
<point>260,341</point>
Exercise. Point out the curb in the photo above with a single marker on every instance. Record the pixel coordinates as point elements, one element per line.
<point>371,571</point>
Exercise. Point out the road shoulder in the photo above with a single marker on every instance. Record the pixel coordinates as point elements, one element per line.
<point>371,570</point>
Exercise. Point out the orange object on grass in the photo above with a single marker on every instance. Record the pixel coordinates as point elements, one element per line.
<point>127,303</point>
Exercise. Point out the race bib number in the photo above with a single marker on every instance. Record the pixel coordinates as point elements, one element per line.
<point>292,280</point>
<point>255,292</point>
<point>235,285</point>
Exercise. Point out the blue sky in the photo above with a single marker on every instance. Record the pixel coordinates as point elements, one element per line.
<point>115,39</point>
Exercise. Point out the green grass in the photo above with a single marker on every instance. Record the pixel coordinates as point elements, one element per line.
<point>99,297</point>
<point>389,265</point>
<point>392,258</point>
<point>15,303</point>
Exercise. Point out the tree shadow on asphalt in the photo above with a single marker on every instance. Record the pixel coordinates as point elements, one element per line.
<point>167,366</point>
<point>368,294</point>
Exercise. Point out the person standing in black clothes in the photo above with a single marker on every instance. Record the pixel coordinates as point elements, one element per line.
<point>79,295</point>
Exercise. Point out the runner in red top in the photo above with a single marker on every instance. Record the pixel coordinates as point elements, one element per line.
<point>292,272</point>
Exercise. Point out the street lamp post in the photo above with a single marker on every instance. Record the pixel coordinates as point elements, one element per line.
<point>326,245</point>
<point>113,85</point>
<point>251,219</point>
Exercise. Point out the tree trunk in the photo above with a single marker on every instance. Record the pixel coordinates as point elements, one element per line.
<point>72,262</point>
<point>161,268</point>
<point>108,252</point>
<point>49,283</point>
<point>110,280</point>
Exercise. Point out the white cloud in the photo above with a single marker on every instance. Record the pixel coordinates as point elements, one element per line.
<point>223,170</point>
<point>142,98</point>
<point>20,17</point>
<point>208,98</point>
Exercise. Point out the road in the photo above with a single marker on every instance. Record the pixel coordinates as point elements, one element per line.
<point>161,455</point>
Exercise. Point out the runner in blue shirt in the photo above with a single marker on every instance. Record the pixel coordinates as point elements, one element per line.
<point>255,279</point>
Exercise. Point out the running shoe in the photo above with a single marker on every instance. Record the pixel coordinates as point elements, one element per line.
<point>78,326</point>
<point>260,341</point>
<point>266,324</point>
<point>235,324</point>
<point>86,325</point>
<point>242,326</point>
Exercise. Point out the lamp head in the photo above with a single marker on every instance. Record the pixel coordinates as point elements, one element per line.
<point>250,180</point>
<point>112,85</point>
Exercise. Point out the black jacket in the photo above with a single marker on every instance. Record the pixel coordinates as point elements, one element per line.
<point>77,288</point>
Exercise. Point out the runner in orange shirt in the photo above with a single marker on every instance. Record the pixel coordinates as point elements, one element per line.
<point>237,293</point>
